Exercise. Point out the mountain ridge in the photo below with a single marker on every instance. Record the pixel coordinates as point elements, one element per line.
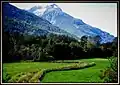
<point>27,22</point>
<point>72,25</point>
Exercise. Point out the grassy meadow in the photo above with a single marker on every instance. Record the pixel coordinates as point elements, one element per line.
<point>83,75</point>
<point>26,71</point>
<point>13,71</point>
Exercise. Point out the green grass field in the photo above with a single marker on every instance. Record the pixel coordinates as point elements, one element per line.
<point>83,75</point>
<point>16,70</point>
<point>25,71</point>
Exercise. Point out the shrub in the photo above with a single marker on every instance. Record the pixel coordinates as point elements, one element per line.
<point>110,75</point>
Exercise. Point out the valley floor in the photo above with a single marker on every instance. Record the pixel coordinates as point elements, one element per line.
<point>24,71</point>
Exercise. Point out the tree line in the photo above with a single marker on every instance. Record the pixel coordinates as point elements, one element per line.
<point>18,47</point>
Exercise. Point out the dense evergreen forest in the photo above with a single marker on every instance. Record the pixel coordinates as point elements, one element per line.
<point>18,47</point>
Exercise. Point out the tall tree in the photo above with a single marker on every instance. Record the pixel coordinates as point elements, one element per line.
<point>84,42</point>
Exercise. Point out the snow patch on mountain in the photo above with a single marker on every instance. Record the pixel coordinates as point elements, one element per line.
<point>39,12</point>
<point>44,9</point>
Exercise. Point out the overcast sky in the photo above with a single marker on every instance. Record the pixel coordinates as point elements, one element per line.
<point>100,15</point>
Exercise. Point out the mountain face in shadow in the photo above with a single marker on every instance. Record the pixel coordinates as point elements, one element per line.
<point>22,21</point>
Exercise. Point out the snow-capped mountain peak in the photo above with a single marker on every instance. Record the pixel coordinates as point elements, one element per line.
<point>41,9</point>
<point>38,10</point>
<point>72,25</point>
<point>52,6</point>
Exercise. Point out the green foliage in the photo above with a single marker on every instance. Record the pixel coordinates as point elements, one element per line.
<point>41,48</point>
<point>90,45</point>
<point>95,40</point>
<point>84,42</point>
<point>110,75</point>
<point>53,47</point>
<point>76,50</point>
<point>115,47</point>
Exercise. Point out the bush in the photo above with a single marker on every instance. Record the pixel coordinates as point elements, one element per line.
<point>110,75</point>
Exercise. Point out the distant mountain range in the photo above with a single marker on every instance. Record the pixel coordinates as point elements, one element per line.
<point>41,20</point>
<point>18,20</point>
<point>64,21</point>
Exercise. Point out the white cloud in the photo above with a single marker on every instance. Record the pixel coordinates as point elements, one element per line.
<point>100,15</point>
